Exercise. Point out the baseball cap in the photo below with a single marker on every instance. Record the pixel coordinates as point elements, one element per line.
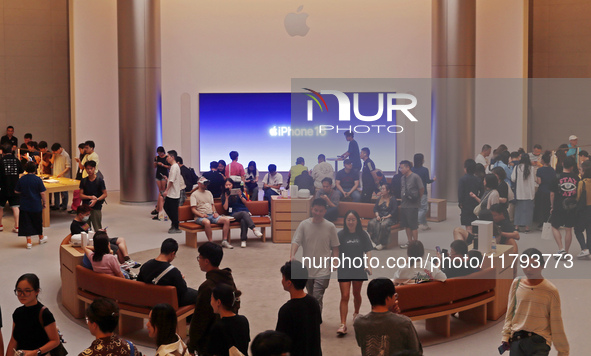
<point>203,180</point>
<point>572,137</point>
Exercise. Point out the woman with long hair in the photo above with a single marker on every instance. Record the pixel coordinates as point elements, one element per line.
<point>525,189</point>
<point>239,211</point>
<point>545,176</point>
<point>161,326</point>
<point>101,257</point>
<point>251,177</point>
<point>386,215</point>
<point>354,245</point>
<point>583,221</point>
<point>490,196</point>
<point>231,330</point>
<point>34,331</point>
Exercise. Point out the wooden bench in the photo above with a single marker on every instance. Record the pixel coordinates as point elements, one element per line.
<point>365,211</point>
<point>435,301</point>
<point>258,209</point>
<point>135,299</point>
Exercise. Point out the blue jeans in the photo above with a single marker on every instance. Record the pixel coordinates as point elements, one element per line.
<point>530,346</point>
<point>423,209</point>
<point>64,200</point>
<point>268,194</point>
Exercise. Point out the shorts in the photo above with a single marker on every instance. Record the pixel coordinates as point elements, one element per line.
<point>113,243</point>
<point>13,200</point>
<point>209,217</point>
<point>560,217</point>
<point>409,218</point>
<point>467,216</point>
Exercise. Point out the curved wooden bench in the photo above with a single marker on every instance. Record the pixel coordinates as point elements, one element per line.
<point>258,209</point>
<point>365,211</point>
<point>437,301</point>
<point>135,299</point>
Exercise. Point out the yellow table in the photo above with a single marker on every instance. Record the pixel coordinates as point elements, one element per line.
<point>63,185</point>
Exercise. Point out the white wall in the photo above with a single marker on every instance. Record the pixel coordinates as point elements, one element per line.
<point>94,82</point>
<point>501,53</point>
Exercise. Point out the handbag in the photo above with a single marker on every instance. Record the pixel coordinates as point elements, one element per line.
<point>59,350</point>
<point>547,230</point>
<point>478,207</point>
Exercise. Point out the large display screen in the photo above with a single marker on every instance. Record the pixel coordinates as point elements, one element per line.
<point>259,127</point>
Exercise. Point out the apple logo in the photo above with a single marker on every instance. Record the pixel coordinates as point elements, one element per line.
<point>295,23</point>
<point>273,131</point>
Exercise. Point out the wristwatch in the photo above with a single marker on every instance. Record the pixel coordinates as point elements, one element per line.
<point>38,352</point>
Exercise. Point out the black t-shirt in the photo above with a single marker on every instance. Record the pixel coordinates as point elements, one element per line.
<point>95,188</point>
<point>504,226</point>
<point>396,185</point>
<point>189,176</point>
<point>78,227</point>
<point>347,180</point>
<point>12,140</point>
<point>228,332</point>
<point>564,187</point>
<point>353,246</point>
<point>10,169</point>
<point>304,181</point>
<point>153,268</point>
<point>366,177</point>
<point>469,183</point>
<point>216,183</point>
<point>300,319</point>
<point>354,154</point>
<point>159,169</point>
<point>28,332</point>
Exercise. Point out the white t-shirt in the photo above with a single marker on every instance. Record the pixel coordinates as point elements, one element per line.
<point>526,188</point>
<point>202,201</point>
<point>411,275</point>
<point>317,241</point>
<point>61,162</point>
<point>320,171</point>
<point>178,183</point>
<point>273,180</point>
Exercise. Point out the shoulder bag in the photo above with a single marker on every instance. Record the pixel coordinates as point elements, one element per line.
<point>59,350</point>
<point>478,207</point>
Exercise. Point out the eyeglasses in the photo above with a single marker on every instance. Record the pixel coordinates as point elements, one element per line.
<point>24,292</point>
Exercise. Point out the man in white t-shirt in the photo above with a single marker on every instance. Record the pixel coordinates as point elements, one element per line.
<point>205,214</point>
<point>322,170</point>
<point>62,166</point>
<point>271,183</point>
<point>482,157</point>
<point>172,194</point>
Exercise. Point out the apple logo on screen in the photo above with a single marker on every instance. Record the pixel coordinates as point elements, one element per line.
<point>273,131</point>
<point>295,23</point>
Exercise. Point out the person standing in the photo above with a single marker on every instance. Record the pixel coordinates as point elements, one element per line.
<point>89,155</point>
<point>9,138</point>
<point>353,151</point>
<point>411,191</point>
<point>234,170</point>
<point>467,185</point>
<point>32,200</point>
<point>93,193</point>
<point>525,189</point>
<point>10,170</point>
<point>33,326</point>
<point>62,166</point>
<point>162,167</point>
<point>423,172</point>
<point>583,220</point>
<point>573,149</point>
<point>383,332</point>
<point>563,195</point>
<point>172,193</point>
<point>368,176</point>
<point>322,170</point>
<point>482,157</point>
<point>76,201</point>
<point>354,245</point>
<point>545,177</point>
<point>533,321</point>
<point>301,316</point>
<point>318,239</point>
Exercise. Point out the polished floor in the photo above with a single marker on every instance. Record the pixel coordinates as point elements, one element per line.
<point>256,274</point>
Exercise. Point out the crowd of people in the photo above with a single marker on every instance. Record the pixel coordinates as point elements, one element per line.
<point>499,186</point>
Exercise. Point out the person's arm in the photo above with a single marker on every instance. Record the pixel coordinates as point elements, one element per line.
<point>339,188</point>
<point>225,200</point>
<point>412,339</point>
<point>293,251</point>
<point>215,213</point>
<point>288,179</point>
<point>475,197</point>
<point>88,252</point>
<point>511,235</point>
<point>67,169</point>
<point>197,213</point>
<point>42,194</point>
<point>355,186</point>
<point>551,201</point>
<point>54,341</point>
<point>11,343</point>
<point>507,327</point>
<point>421,190</point>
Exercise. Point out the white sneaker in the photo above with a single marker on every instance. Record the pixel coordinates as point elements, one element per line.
<point>226,244</point>
<point>29,246</point>
<point>379,247</point>
<point>257,233</point>
<point>43,240</point>
<point>425,227</point>
<point>560,252</point>
<point>243,244</point>
<point>583,254</point>
<point>404,246</point>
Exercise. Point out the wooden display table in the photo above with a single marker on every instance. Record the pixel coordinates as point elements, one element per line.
<point>70,257</point>
<point>63,185</point>
<point>504,277</point>
<point>286,215</point>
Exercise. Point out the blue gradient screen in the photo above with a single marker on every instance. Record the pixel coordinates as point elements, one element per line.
<point>249,123</point>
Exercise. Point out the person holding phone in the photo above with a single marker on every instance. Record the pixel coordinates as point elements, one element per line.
<point>239,211</point>
<point>162,167</point>
<point>251,176</point>
<point>354,245</point>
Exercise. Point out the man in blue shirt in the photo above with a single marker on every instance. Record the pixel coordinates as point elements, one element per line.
<point>573,141</point>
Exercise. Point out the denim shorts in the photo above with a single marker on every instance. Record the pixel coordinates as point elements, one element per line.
<point>209,217</point>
